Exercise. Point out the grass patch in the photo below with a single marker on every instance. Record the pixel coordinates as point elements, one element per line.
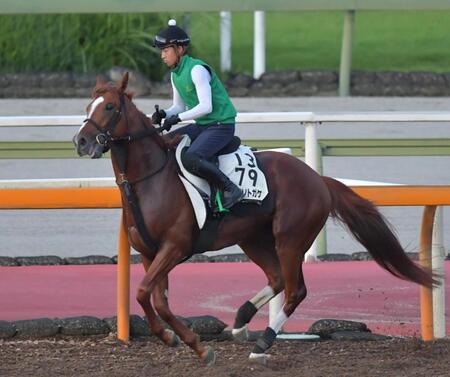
<point>398,41</point>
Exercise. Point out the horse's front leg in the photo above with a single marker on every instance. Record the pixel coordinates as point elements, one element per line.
<point>161,304</point>
<point>155,282</point>
<point>167,336</point>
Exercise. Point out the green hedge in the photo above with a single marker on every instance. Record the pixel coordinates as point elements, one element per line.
<point>79,43</point>
<point>390,41</point>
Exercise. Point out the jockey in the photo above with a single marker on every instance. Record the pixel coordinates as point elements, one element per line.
<point>198,95</point>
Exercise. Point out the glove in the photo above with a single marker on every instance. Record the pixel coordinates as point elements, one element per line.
<point>158,116</point>
<point>170,121</point>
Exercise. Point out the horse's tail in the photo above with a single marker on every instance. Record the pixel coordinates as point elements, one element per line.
<point>370,228</point>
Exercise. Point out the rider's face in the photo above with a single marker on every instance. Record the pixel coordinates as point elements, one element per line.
<point>171,54</point>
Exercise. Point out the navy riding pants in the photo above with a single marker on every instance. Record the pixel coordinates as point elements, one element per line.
<point>207,140</point>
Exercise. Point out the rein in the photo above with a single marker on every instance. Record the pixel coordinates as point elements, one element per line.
<point>118,147</point>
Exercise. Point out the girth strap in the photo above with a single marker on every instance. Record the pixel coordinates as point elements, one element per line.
<point>120,153</point>
<point>133,202</point>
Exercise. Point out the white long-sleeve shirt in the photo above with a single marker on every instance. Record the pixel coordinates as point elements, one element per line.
<point>201,79</point>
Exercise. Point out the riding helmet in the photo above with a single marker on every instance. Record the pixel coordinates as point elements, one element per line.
<point>171,35</point>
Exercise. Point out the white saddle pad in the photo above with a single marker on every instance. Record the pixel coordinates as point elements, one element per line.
<point>240,166</point>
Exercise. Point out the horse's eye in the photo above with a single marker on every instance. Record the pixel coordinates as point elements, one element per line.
<point>109,106</point>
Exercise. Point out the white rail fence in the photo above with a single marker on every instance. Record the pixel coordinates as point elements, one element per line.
<point>310,120</point>
<point>259,117</point>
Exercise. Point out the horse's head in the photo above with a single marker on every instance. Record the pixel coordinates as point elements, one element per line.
<point>105,120</point>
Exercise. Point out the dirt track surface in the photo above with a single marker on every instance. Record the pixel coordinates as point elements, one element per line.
<point>107,357</point>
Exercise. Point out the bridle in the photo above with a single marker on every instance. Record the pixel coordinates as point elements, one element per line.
<point>105,137</point>
<point>118,144</point>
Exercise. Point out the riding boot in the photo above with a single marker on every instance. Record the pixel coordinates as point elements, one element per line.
<point>231,194</point>
<point>209,171</point>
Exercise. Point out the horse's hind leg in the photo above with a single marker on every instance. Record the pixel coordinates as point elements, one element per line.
<point>292,241</point>
<point>261,250</point>
<point>295,292</point>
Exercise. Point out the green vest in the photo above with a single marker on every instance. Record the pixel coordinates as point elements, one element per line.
<point>223,110</point>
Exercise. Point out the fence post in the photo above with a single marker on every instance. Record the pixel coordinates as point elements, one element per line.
<point>259,44</point>
<point>426,296</point>
<point>313,158</point>
<point>346,54</point>
<point>437,262</point>
<point>225,41</point>
<point>311,145</point>
<point>123,284</point>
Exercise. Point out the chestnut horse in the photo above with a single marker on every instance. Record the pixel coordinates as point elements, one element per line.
<point>275,239</point>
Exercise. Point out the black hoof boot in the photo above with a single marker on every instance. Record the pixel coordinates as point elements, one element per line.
<point>258,353</point>
<point>243,317</point>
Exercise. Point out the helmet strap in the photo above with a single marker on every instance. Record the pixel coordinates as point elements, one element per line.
<point>179,55</point>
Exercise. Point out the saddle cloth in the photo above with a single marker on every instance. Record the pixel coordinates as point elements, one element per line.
<point>240,166</point>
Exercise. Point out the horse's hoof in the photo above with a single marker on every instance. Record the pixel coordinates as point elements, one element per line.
<point>240,335</point>
<point>174,340</point>
<point>209,357</point>
<point>260,358</point>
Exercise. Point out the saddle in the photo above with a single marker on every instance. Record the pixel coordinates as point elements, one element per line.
<point>238,162</point>
<point>231,147</point>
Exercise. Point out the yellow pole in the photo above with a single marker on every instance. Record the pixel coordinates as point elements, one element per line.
<point>123,284</point>
<point>426,294</point>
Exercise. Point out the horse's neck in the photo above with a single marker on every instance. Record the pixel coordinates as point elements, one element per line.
<point>143,156</point>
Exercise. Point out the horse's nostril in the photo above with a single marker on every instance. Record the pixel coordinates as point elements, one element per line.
<point>82,142</point>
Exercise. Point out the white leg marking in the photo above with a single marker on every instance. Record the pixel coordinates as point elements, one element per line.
<point>262,297</point>
<point>277,323</point>
<point>260,358</point>
<point>240,333</point>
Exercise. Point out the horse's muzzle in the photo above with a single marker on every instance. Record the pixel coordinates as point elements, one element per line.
<point>86,147</point>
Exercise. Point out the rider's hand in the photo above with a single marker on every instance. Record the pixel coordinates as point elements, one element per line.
<point>170,121</point>
<point>158,116</point>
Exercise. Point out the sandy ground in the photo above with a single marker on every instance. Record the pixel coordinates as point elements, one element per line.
<point>91,357</point>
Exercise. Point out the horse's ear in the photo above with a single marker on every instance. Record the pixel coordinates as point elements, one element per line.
<point>101,80</point>
<point>122,84</point>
